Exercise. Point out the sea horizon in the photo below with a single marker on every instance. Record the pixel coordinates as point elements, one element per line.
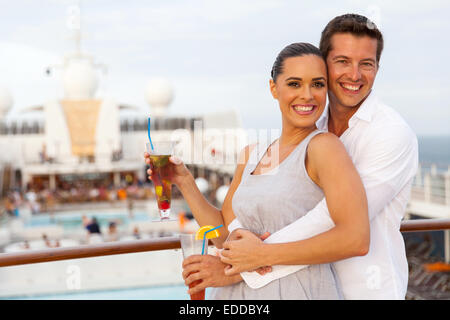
<point>434,149</point>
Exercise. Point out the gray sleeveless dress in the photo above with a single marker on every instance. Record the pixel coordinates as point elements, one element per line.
<point>268,202</point>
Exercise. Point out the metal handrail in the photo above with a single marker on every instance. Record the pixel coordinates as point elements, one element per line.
<point>166,243</point>
<point>88,251</point>
<point>417,225</point>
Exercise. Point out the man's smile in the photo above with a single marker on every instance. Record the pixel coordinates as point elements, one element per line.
<point>351,88</point>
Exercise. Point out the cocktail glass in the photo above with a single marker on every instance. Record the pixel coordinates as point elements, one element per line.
<point>190,246</point>
<point>160,152</point>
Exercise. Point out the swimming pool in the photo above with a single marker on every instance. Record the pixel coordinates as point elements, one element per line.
<point>73,220</point>
<point>176,292</point>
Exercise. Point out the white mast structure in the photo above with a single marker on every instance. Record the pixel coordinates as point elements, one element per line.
<point>80,80</point>
<point>67,120</point>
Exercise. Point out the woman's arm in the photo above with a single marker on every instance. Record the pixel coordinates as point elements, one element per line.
<point>329,165</point>
<point>210,270</point>
<point>204,212</point>
<point>227,209</point>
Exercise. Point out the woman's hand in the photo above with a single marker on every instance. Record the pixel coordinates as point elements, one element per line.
<point>178,171</point>
<point>243,251</point>
<point>209,269</point>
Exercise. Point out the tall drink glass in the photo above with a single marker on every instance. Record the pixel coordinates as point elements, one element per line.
<point>190,246</point>
<point>159,164</point>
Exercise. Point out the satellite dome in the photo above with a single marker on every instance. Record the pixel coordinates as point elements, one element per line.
<point>159,95</point>
<point>221,193</point>
<point>202,184</point>
<point>80,80</point>
<point>6,100</point>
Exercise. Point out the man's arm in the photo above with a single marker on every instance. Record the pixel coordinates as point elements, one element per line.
<point>385,166</point>
<point>315,222</point>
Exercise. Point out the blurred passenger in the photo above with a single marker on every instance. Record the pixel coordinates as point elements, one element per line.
<point>85,220</point>
<point>112,232</point>
<point>43,154</point>
<point>182,220</point>
<point>122,194</point>
<point>93,226</point>
<point>46,240</point>
<point>9,206</point>
<point>136,233</point>
<point>26,245</point>
<point>130,206</point>
<point>32,201</point>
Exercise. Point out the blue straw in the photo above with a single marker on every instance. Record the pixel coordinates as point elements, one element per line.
<point>204,237</point>
<point>150,139</point>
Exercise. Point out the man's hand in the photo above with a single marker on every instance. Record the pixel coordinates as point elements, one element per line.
<point>242,251</point>
<point>209,269</point>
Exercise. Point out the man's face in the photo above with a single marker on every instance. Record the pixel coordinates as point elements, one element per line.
<point>352,68</point>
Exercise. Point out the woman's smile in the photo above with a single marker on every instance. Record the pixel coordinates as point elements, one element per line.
<point>304,109</point>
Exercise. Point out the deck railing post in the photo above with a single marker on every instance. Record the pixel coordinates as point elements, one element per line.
<point>433,169</point>
<point>447,246</point>
<point>419,176</point>
<point>447,188</point>
<point>427,187</point>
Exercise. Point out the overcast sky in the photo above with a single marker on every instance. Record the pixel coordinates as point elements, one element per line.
<point>218,54</point>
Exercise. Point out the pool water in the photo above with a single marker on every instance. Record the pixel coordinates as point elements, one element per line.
<point>74,220</point>
<point>176,292</point>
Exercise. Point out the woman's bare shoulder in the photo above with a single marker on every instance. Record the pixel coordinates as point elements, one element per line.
<point>325,144</point>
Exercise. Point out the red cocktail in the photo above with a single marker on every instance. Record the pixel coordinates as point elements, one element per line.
<point>199,295</point>
<point>160,165</point>
<point>161,180</point>
<point>190,246</point>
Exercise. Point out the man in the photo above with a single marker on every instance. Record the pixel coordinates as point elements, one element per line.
<point>385,153</point>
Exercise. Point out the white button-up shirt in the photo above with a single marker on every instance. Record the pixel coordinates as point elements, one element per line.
<point>384,150</point>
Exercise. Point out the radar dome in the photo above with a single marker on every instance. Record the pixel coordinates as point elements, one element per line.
<point>202,184</point>
<point>221,193</point>
<point>6,101</point>
<point>80,80</point>
<point>159,95</point>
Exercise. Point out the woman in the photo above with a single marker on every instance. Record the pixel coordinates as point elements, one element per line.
<point>271,190</point>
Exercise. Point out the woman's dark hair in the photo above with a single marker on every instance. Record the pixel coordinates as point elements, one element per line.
<point>297,49</point>
<point>354,24</point>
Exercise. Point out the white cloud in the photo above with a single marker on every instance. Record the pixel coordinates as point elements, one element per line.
<point>22,71</point>
<point>219,53</point>
<point>232,10</point>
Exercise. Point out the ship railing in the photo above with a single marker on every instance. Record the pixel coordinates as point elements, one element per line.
<point>432,184</point>
<point>168,243</point>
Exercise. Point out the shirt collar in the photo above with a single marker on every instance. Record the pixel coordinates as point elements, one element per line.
<point>322,123</point>
<point>366,109</point>
<point>364,112</point>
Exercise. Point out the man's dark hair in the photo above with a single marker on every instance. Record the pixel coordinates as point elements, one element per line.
<point>297,49</point>
<point>354,24</point>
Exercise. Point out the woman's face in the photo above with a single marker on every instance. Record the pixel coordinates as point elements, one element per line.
<point>301,90</point>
